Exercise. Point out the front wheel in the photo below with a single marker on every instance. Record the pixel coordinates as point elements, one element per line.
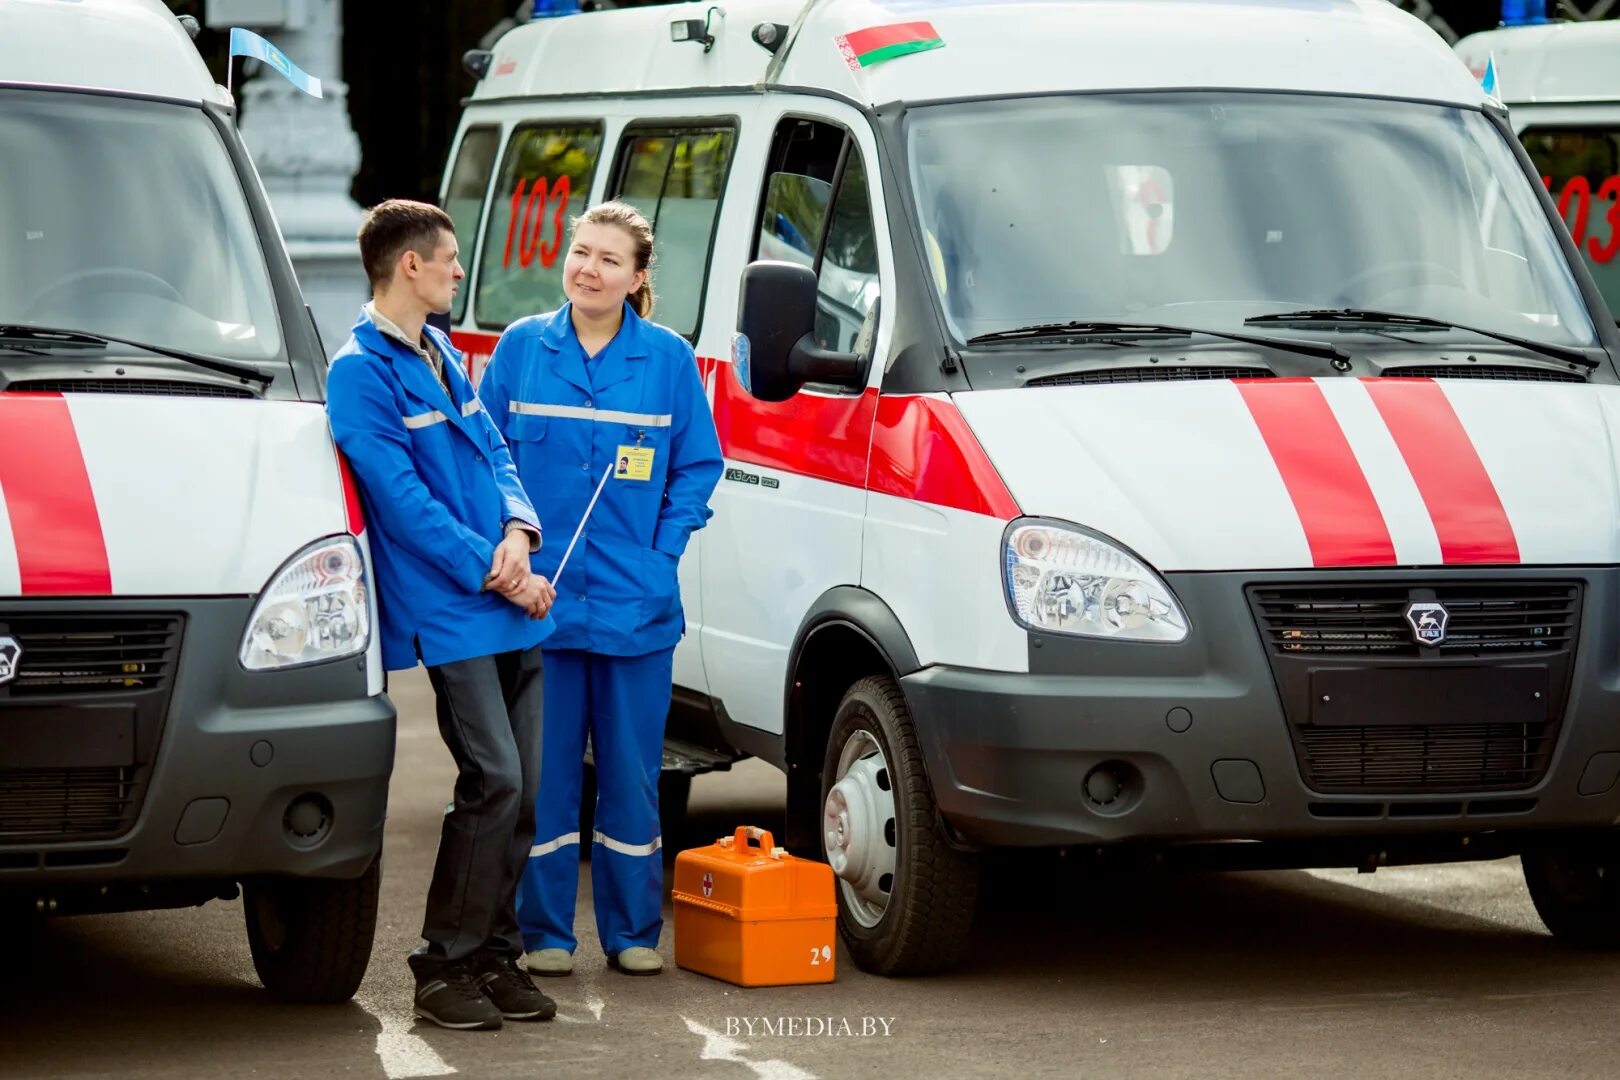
<point>311,937</point>
<point>1576,890</point>
<point>905,896</point>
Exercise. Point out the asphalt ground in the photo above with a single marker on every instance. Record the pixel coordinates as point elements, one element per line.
<point>1421,972</point>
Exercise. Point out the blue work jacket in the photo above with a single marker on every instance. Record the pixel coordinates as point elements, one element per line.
<point>569,422</point>
<point>438,487</point>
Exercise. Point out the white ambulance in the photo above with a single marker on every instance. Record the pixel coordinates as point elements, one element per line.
<point>1561,85</point>
<point>191,697</point>
<point>1172,430</point>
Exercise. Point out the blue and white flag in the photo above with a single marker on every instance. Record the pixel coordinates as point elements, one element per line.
<point>247,43</point>
<point>1490,82</point>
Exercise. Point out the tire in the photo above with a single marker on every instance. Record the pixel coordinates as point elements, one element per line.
<point>1576,890</point>
<point>311,937</point>
<point>923,924</point>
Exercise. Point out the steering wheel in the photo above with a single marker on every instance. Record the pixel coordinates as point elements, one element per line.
<point>135,281</point>
<point>1418,271</point>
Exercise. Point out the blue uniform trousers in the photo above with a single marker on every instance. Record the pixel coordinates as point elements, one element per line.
<point>622,702</point>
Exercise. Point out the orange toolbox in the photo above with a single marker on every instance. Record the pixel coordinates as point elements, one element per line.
<point>749,913</point>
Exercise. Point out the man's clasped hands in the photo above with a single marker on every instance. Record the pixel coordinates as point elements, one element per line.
<point>510,576</point>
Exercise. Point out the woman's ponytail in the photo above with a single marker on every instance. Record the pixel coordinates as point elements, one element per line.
<point>642,299</point>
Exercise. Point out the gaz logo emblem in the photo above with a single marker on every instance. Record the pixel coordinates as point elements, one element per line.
<point>1428,622</point>
<point>10,656</point>
<point>708,884</point>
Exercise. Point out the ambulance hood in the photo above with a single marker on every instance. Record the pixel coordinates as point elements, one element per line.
<point>1301,473</point>
<point>112,494</point>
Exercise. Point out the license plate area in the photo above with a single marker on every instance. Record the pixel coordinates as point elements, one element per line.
<point>82,736</point>
<point>1430,696</point>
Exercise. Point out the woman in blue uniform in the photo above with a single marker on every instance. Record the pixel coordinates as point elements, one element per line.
<point>595,398</point>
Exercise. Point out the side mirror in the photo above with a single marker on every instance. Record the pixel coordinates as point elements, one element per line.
<point>776,353</point>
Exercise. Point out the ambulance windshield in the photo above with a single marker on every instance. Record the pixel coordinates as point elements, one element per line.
<point>1204,209</point>
<point>126,218</point>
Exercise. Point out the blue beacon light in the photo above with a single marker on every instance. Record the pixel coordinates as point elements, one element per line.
<point>1523,12</point>
<point>550,9</point>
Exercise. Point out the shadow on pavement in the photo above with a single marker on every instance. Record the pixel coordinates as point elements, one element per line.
<point>1162,936</point>
<point>118,995</point>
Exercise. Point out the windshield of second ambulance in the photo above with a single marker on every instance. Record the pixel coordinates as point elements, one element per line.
<point>126,218</point>
<point>1205,209</point>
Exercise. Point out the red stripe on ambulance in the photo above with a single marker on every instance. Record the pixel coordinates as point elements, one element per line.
<point>824,438</point>
<point>1464,505</point>
<point>1343,525</point>
<point>922,449</point>
<point>475,349</point>
<point>351,497</point>
<point>912,447</point>
<point>54,522</point>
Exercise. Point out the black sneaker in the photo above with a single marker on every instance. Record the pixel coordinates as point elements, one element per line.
<point>512,991</point>
<point>451,998</point>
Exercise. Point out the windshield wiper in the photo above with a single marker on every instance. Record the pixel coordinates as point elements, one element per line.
<point>1148,330</point>
<point>52,337</point>
<point>1368,317</point>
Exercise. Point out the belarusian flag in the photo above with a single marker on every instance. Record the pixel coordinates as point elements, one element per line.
<point>863,48</point>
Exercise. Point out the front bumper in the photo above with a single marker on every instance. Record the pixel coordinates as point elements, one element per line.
<point>214,778</point>
<point>1193,743</point>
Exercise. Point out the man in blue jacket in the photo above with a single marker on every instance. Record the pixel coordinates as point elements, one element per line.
<point>451,535</point>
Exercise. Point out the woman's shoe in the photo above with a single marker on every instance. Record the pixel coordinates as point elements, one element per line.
<point>551,963</point>
<point>637,961</point>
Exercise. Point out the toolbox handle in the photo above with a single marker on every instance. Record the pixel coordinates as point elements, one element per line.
<point>766,843</point>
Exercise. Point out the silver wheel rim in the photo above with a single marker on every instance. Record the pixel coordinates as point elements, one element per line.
<point>858,829</point>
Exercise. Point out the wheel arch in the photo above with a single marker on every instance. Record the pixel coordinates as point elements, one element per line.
<point>848,634</point>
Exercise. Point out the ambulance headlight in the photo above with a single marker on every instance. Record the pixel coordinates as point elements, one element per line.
<point>1064,581</point>
<point>314,609</point>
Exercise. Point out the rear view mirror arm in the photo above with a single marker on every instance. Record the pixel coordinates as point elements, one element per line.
<point>810,363</point>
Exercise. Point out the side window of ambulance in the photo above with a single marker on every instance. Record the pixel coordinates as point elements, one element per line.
<point>817,211</point>
<point>544,181</point>
<point>1581,167</point>
<point>464,196</point>
<point>675,177</point>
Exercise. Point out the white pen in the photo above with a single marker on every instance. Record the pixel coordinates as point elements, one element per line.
<point>592,506</point>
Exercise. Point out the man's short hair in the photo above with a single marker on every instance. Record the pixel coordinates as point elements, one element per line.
<point>394,226</point>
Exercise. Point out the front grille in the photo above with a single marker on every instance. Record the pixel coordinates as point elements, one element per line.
<point>91,654</point>
<point>67,803</point>
<point>1372,712</point>
<point>1148,374</point>
<point>1482,371</point>
<point>149,387</point>
<point>1461,757</point>
<point>1487,619</point>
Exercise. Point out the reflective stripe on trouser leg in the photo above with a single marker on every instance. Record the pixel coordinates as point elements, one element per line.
<point>550,884</point>
<point>630,700</point>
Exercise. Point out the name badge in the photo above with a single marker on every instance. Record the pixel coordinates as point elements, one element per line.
<point>634,463</point>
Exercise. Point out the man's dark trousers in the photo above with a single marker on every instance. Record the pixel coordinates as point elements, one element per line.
<point>489,714</point>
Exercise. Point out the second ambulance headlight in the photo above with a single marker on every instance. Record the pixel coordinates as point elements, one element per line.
<point>1065,581</point>
<point>315,608</point>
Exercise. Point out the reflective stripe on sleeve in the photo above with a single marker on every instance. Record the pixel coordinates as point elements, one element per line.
<point>554,844</point>
<point>579,412</point>
<point>422,420</point>
<point>627,849</point>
